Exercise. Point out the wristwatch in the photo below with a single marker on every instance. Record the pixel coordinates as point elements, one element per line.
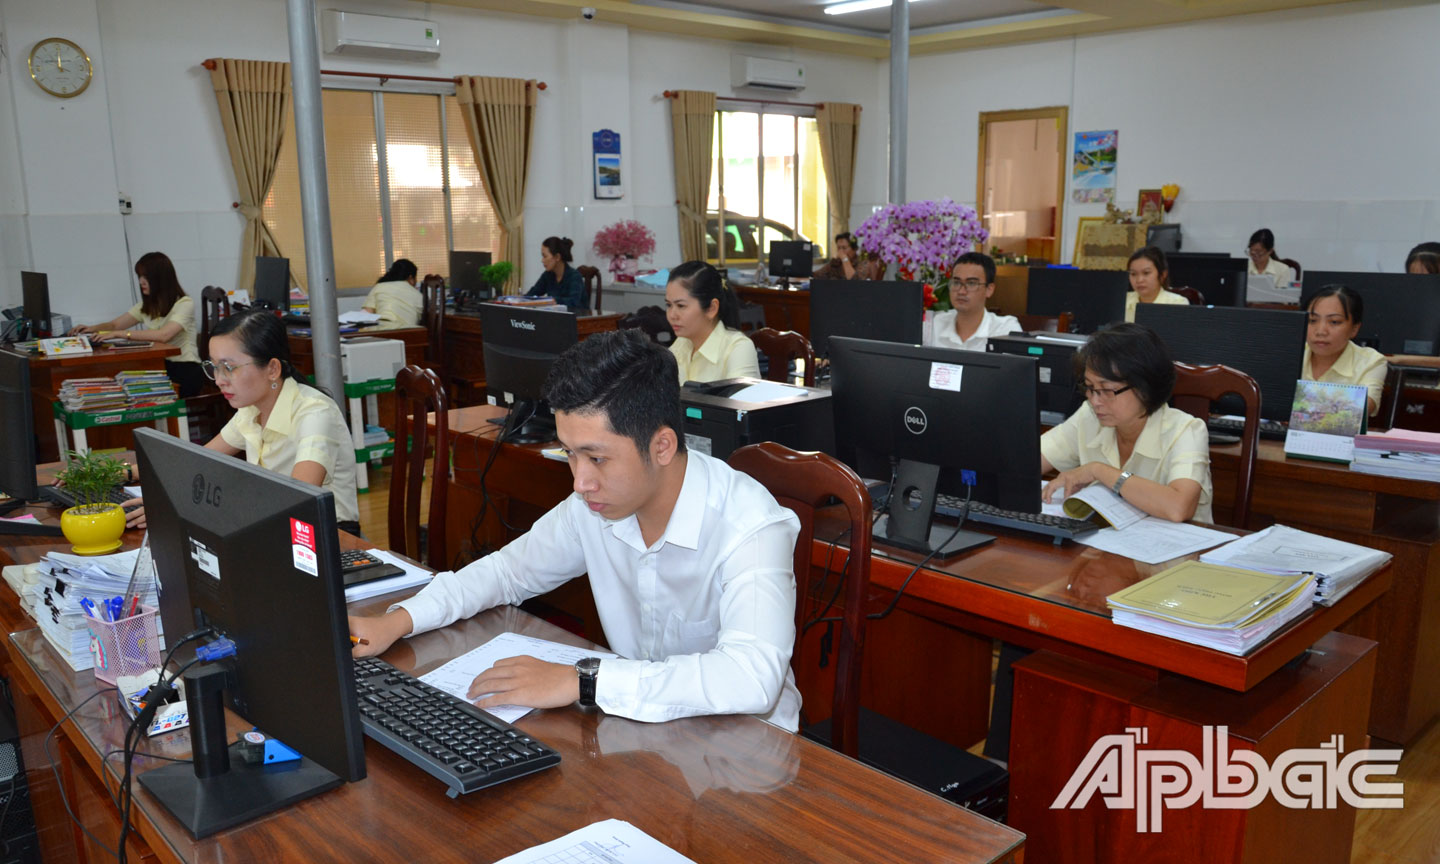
<point>1124,475</point>
<point>589,671</point>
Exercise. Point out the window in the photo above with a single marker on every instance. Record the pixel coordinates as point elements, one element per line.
<point>423,199</point>
<point>767,183</point>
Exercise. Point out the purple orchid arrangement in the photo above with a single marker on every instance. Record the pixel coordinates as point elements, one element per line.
<point>923,238</point>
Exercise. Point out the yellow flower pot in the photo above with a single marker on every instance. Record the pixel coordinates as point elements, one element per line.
<point>93,533</point>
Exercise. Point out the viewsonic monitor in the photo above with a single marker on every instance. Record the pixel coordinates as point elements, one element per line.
<point>1093,298</point>
<point>272,283</point>
<point>465,274</point>
<point>1402,310</point>
<point>883,311</point>
<point>520,345</point>
<point>792,259</point>
<point>255,556</point>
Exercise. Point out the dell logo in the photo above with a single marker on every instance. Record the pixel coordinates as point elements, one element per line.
<point>202,491</point>
<point>522,325</point>
<point>915,420</point>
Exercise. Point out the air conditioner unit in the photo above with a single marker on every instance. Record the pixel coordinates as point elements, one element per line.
<point>766,74</point>
<point>357,35</point>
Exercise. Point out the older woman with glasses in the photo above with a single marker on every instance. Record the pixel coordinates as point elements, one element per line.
<point>969,325</point>
<point>1125,436</point>
<point>280,423</point>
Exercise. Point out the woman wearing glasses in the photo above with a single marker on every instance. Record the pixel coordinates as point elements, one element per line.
<point>969,325</point>
<point>1125,436</point>
<point>1149,273</point>
<point>1263,260</point>
<point>280,423</point>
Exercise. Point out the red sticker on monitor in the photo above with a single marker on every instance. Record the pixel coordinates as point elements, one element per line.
<point>302,534</point>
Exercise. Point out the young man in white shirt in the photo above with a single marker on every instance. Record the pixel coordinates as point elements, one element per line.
<point>690,562</point>
<point>969,325</point>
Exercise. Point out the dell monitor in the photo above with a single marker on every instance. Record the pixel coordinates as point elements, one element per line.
<point>1164,237</point>
<point>1266,344</point>
<point>1093,298</point>
<point>1402,310</point>
<point>1221,280</point>
<point>465,282</point>
<point>960,422</point>
<point>254,556</point>
<point>792,259</point>
<point>883,311</point>
<point>17,432</point>
<point>272,283</point>
<point>35,288</point>
<point>1058,392</point>
<point>520,344</point>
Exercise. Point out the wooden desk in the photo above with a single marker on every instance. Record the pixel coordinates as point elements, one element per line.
<point>717,789</point>
<point>785,308</point>
<point>48,373</point>
<point>465,350</point>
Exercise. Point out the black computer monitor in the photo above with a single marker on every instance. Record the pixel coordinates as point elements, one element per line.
<point>1058,393</point>
<point>272,283</point>
<point>1093,298</point>
<point>1266,344</point>
<point>254,555</point>
<point>465,281</point>
<point>1220,279</point>
<point>792,259</point>
<point>35,288</point>
<point>520,345</point>
<point>962,422</point>
<point>1165,237</point>
<point>17,432</point>
<point>1402,310</point>
<point>883,311</point>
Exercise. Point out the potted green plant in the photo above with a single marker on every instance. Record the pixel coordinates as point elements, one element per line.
<point>93,526</point>
<point>496,275</point>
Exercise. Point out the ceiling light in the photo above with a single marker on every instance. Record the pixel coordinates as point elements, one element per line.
<point>856,6</point>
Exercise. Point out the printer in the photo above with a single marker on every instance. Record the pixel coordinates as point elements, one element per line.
<point>723,416</point>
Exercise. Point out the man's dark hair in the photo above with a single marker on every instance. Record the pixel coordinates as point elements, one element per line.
<point>1134,355</point>
<point>623,375</point>
<point>981,259</point>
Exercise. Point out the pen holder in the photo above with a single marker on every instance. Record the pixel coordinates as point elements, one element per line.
<point>125,647</point>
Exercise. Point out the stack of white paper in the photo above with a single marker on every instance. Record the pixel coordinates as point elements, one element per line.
<point>1338,566</point>
<point>60,581</point>
<point>413,577</point>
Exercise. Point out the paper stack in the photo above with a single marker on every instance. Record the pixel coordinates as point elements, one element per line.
<point>1398,453</point>
<point>52,594</point>
<point>1131,533</point>
<point>1223,608</point>
<point>1338,566</point>
<point>92,394</point>
<point>145,388</point>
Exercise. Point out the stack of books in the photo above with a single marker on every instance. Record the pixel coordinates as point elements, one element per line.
<point>51,592</point>
<point>1398,453</point>
<point>93,394</point>
<point>1336,565</point>
<point>1224,608</point>
<point>147,387</point>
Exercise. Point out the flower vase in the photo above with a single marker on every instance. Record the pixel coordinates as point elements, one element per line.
<point>623,266</point>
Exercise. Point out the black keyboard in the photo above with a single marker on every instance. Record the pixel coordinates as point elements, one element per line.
<point>60,496</point>
<point>1059,527</point>
<point>1271,429</point>
<point>447,738</point>
<point>358,566</point>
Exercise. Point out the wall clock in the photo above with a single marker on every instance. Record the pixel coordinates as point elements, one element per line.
<point>60,67</point>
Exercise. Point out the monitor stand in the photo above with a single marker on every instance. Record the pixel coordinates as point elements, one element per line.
<point>909,522</point>
<point>219,792</point>
<point>538,427</point>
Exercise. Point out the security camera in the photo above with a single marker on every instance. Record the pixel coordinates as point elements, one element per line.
<point>588,13</point>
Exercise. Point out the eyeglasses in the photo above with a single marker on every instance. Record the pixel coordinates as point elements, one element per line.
<point>968,285</point>
<point>222,369</point>
<point>1104,394</point>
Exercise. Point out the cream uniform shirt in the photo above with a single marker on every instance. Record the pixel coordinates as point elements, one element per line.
<point>1355,365</point>
<point>1164,298</point>
<point>943,333</point>
<point>1282,272</point>
<point>398,303</point>
<point>726,354</point>
<point>182,313</point>
<point>304,426</point>
<point>1172,446</point>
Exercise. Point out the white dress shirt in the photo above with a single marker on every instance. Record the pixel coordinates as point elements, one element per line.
<point>944,335</point>
<point>703,619</point>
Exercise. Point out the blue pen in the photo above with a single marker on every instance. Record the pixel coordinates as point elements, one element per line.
<point>88,606</point>
<point>115,604</point>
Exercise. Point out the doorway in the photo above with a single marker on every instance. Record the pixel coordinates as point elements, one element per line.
<point>1021,180</point>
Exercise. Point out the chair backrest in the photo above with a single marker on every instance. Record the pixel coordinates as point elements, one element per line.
<point>1293,265</point>
<point>804,483</point>
<point>591,275</point>
<point>214,305</point>
<point>419,392</point>
<point>433,290</point>
<point>1198,386</point>
<point>752,316</point>
<point>1191,294</point>
<point>1045,323</point>
<point>782,347</point>
<point>652,320</point>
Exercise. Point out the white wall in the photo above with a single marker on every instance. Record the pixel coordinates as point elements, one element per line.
<point>1314,123</point>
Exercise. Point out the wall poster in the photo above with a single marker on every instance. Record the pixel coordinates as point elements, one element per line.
<point>1092,178</point>
<point>607,164</point>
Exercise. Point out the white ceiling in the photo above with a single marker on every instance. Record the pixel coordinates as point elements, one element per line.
<point>923,13</point>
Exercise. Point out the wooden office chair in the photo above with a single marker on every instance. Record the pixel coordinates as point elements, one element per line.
<point>1191,294</point>
<point>780,348</point>
<point>591,275</point>
<point>214,305</point>
<point>805,482</point>
<point>1045,323</point>
<point>1196,387</point>
<point>419,392</point>
<point>433,290</point>
<point>1293,265</point>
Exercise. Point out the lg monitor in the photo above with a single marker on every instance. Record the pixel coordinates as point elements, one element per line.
<point>1266,344</point>
<point>465,279</point>
<point>272,283</point>
<point>1093,298</point>
<point>254,557</point>
<point>520,345</point>
<point>1164,237</point>
<point>35,288</point>
<point>964,423</point>
<point>1221,280</point>
<point>1057,390</point>
<point>883,311</point>
<point>792,259</point>
<point>1402,310</point>
<point>17,432</point>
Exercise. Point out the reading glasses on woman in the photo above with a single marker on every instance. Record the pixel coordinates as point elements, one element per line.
<point>1104,394</point>
<point>223,369</point>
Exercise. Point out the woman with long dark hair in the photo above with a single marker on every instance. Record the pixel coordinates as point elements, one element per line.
<point>395,298</point>
<point>560,280</point>
<point>705,314</point>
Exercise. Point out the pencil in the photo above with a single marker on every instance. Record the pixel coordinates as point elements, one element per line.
<point>356,640</point>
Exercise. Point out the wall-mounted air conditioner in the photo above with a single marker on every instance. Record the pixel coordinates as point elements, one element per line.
<point>357,35</point>
<point>762,72</point>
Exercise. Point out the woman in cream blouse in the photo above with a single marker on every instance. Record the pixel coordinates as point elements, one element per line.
<point>1148,274</point>
<point>395,298</point>
<point>1263,260</point>
<point>705,315</point>
<point>1335,315</point>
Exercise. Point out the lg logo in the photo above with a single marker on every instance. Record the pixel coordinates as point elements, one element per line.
<point>202,490</point>
<point>916,421</point>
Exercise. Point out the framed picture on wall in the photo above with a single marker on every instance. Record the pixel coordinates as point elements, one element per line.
<point>1155,201</point>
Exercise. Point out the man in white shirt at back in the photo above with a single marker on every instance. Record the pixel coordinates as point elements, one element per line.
<point>690,561</point>
<point>969,325</point>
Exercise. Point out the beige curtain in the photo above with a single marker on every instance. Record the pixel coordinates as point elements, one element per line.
<point>838,124</point>
<point>500,122</point>
<point>254,101</point>
<point>692,117</point>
